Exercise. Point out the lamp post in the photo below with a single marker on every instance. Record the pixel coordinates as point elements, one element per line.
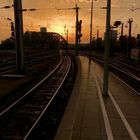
<point>18,15</point>
<point>130,21</point>
<point>76,32</point>
<point>107,45</point>
<point>66,32</point>
<point>90,49</point>
<point>19,36</point>
<point>91,21</point>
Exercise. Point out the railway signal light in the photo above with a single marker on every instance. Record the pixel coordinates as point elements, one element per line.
<point>117,23</point>
<point>12,30</point>
<point>79,26</point>
<point>79,37</point>
<point>79,31</point>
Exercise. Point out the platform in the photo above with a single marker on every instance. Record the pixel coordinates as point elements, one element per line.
<point>90,116</point>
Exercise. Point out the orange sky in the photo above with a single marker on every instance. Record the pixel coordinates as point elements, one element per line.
<point>55,20</point>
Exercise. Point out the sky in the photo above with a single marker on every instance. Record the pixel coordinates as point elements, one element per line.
<point>54,15</point>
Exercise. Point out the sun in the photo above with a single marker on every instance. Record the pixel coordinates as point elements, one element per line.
<point>58,29</point>
<point>57,25</point>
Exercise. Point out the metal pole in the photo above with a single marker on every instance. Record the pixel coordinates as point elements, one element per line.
<point>76,37</point>
<point>19,36</point>
<point>107,45</point>
<point>90,49</point>
<point>67,35</point>
<point>67,38</point>
<point>129,38</point>
<point>122,38</point>
<point>97,41</point>
<point>97,34</point>
<point>122,29</point>
<point>130,27</point>
<point>65,30</point>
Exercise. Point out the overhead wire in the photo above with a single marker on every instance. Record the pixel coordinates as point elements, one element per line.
<point>61,16</point>
<point>53,4</point>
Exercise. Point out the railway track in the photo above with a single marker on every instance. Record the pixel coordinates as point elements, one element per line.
<point>20,119</point>
<point>129,74</point>
<point>9,65</point>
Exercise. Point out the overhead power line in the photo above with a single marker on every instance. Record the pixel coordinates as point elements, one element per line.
<point>6,7</point>
<point>32,9</point>
<point>5,18</point>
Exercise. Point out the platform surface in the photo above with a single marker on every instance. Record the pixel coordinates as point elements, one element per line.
<point>90,116</point>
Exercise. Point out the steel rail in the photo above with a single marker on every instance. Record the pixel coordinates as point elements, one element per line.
<point>121,69</point>
<point>116,60</point>
<point>30,108</point>
<point>126,72</point>
<point>16,102</point>
<point>6,69</point>
<point>132,67</point>
<point>34,125</point>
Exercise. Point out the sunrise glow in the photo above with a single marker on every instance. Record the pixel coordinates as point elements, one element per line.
<point>54,15</point>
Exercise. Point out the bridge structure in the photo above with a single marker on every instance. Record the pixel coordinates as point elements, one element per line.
<point>44,39</point>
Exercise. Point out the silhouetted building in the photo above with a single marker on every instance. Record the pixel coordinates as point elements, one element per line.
<point>113,35</point>
<point>138,41</point>
<point>135,51</point>
<point>43,29</point>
